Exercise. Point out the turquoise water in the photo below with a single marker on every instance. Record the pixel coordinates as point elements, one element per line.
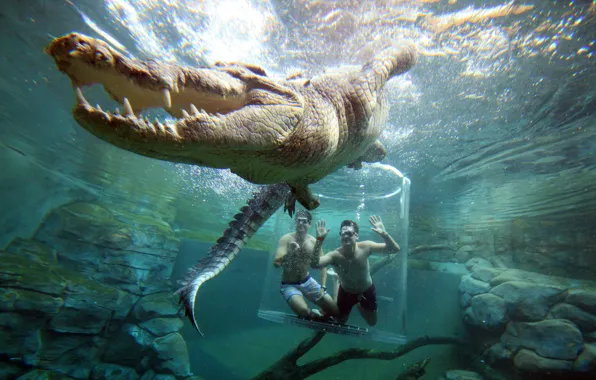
<point>495,128</point>
<point>239,345</point>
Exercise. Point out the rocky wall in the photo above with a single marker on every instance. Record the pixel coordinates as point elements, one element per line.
<point>529,322</point>
<point>89,297</point>
<point>562,247</point>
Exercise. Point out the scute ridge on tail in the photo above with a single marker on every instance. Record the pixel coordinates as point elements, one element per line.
<point>246,223</point>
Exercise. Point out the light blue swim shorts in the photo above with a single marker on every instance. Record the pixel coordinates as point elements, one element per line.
<point>309,288</point>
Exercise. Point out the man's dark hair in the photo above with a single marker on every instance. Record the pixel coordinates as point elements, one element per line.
<point>348,223</point>
<point>304,214</point>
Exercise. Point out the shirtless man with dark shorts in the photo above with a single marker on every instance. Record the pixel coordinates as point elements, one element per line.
<point>353,270</point>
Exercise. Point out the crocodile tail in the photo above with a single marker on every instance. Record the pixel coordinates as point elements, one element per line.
<point>245,224</point>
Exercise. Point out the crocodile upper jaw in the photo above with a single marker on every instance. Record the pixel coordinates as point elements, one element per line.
<point>88,61</point>
<point>199,99</point>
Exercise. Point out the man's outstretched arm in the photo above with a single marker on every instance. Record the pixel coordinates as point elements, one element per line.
<point>326,260</point>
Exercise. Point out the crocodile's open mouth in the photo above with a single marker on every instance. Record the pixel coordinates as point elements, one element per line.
<point>187,94</point>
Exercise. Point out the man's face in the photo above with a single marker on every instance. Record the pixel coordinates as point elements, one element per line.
<point>302,224</point>
<point>348,235</point>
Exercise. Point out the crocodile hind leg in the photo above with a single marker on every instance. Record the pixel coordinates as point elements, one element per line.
<point>375,153</point>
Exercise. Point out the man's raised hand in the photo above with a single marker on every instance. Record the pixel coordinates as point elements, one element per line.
<point>377,224</point>
<point>322,229</point>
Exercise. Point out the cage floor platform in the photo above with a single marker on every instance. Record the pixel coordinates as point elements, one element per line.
<point>336,328</point>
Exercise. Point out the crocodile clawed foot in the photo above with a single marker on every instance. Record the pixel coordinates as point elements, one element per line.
<point>290,203</point>
<point>302,194</point>
<point>356,165</point>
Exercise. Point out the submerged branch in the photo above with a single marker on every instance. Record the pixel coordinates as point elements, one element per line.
<point>286,367</point>
<point>304,347</point>
<point>361,353</point>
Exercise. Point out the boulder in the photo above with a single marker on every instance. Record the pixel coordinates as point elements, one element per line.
<point>162,326</point>
<point>105,371</point>
<point>531,277</point>
<point>464,253</point>
<point>552,338</point>
<point>485,274</point>
<point>469,317</point>
<point>131,346</point>
<point>42,374</point>
<point>528,301</point>
<point>155,306</point>
<point>23,273</point>
<point>528,360</point>
<point>490,311</point>
<point>472,286</point>
<point>20,335</point>
<point>584,297</point>
<point>477,262</point>
<point>10,370</point>
<point>496,353</point>
<point>465,300</point>
<point>32,251</point>
<point>460,374</point>
<point>172,355</point>
<point>71,301</point>
<point>76,321</point>
<point>72,354</point>
<point>149,375</point>
<point>85,294</point>
<point>584,320</point>
<point>28,301</point>
<point>100,225</point>
<point>132,251</point>
<point>586,361</point>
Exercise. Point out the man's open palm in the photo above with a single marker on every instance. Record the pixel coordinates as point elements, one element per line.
<point>322,230</point>
<point>377,224</point>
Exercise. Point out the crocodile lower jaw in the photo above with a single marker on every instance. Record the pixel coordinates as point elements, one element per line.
<point>86,114</point>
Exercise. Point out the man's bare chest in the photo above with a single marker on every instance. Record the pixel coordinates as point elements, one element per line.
<point>350,263</point>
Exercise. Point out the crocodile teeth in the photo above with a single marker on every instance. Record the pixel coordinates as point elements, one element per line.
<point>185,114</point>
<point>161,127</point>
<point>99,108</point>
<point>80,98</point>
<point>128,108</point>
<point>194,110</point>
<point>166,97</point>
<point>117,112</point>
<point>173,130</point>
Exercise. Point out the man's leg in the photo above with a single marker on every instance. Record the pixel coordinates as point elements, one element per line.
<point>345,302</point>
<point>299,306</point>
<point>369,316</point>
<point>312,291</point>
<point>368,305</point>
<point>334,283</point>
<point>328,306</point>
<point>295,300</point>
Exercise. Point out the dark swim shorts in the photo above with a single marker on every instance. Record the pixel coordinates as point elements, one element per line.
<point>346,301</point>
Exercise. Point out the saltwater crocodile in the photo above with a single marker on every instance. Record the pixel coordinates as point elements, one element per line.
<point>285,133</point>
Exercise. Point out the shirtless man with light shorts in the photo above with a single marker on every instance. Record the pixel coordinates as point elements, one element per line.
<point>353,269</point>
<point>297,251</point>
